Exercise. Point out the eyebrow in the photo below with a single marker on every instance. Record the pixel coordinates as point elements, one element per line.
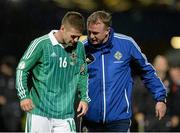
<point>93,32</point>
<point>74,36</point>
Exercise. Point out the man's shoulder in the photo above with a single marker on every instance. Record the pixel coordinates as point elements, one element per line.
<point>42,38</point>
<point>122,36</point>
<point>39,41</point>
<point>124,39</point>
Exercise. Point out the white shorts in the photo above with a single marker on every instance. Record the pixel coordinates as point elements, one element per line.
<point>40,124</point>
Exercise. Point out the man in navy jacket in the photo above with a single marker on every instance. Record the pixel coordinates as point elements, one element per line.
<point>110,56</point>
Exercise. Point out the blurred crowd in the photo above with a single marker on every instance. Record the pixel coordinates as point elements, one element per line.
<point>143,105</point>
<point>10,112</point>
<point>144,120</point>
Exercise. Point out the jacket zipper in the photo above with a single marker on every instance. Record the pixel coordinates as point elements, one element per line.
<point>104,91</point>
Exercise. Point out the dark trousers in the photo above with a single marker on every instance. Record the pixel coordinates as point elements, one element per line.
<point>115,126</point>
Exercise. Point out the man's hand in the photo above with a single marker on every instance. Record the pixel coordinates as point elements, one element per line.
<point>82,108</point>
<point>160,110</point>
<point>26,105</point>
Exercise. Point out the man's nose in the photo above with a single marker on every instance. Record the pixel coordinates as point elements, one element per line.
<point>92,35</point>
<point>76,39</point>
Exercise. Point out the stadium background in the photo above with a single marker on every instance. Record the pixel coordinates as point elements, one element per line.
<point>152,23</point>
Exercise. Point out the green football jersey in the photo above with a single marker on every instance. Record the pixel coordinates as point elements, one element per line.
<point>56,75</point>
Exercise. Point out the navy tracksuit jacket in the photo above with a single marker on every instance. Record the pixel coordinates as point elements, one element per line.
<point>110,78</point>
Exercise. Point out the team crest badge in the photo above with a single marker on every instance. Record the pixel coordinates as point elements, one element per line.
<point>73,58</point>
<point>118,55</point>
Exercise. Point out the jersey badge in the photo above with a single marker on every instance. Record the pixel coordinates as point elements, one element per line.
<point>73,57</point>
<point>118,55</point>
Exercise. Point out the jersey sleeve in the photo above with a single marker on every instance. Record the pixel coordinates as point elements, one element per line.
<point>83,80</point>
<point>27,62</point>
<point>148,73</point>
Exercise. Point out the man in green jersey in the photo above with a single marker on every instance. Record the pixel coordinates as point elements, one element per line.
<point>56,65</point>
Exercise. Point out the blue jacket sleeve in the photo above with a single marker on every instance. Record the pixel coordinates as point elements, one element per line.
<point>148,73</point>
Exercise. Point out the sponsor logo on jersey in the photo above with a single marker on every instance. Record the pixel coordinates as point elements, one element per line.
<point>53,54</point>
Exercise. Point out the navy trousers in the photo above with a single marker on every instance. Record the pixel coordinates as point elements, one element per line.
<point>115,126</point>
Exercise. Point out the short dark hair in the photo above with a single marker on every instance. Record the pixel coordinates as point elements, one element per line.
<point>102,16</point>
<point>74,19</point>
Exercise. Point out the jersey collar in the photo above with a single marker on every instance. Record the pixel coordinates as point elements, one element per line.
<point>53,39</point>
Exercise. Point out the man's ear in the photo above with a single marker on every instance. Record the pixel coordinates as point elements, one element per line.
<point>62,28</point>
<point>108,30</point>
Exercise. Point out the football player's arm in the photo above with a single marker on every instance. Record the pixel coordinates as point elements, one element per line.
<point>28,60</point>
<point>83,87</point>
